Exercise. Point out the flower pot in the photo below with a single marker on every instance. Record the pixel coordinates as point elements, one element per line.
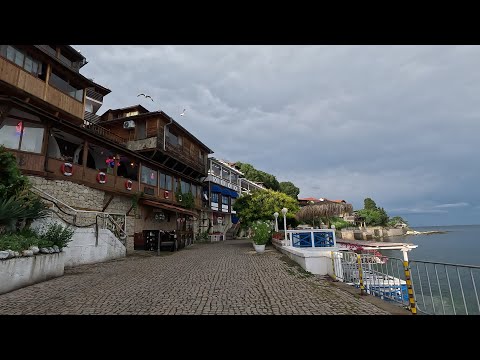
<point>259,248</point>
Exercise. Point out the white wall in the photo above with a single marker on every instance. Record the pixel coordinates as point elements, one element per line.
<point>82,249</point>
<point>18,272</point>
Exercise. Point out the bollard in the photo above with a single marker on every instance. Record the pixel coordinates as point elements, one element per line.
<point>360,274</point>
<point>408,280</point>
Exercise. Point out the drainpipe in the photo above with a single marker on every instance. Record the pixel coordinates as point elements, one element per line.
<point>165,133</point>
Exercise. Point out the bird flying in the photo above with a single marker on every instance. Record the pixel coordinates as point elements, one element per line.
<point>145,96</point>
<point>183,112</point>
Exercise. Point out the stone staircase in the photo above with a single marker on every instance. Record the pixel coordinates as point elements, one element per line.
<point>230,234</point>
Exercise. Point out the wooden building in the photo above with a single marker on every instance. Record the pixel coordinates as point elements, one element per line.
<point>48,119</point>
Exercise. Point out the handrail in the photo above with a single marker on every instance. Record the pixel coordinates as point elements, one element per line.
<point>71,208</point>
<point>104,215</point>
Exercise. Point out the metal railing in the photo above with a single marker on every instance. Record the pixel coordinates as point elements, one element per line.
<point>311,238</point>
<point>445,289</point>
<point>374,274</point>
<point>428,287</point>
<point>115,222</point>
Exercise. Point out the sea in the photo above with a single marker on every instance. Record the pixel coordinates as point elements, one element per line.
<point>459,245</point>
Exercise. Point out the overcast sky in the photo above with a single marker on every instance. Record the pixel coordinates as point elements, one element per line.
<point>399,124</point>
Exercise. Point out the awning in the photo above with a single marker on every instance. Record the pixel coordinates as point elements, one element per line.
<point>224,191</point>
<point>168,207</point>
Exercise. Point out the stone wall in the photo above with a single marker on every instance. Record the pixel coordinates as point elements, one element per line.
<point>83,197</point>
<point>84,248</point>
<point>19,272</point>
<point>72,194</point>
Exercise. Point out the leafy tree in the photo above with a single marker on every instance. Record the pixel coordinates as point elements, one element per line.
<point>287,187</point>
<point>261,204</point>
<point>396,220</point>
<point>369,204</point>
<point>374,217</point>
<point>253,174</point>
<point>17,202</point>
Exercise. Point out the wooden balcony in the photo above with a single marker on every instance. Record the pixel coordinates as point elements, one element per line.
<point>178,153</point>
<point>16,76</point>
<point>65,102</point>
<point>21,79</point>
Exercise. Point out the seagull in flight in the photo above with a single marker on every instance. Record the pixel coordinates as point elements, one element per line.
<point>145,96</point>
<point>183,112</point>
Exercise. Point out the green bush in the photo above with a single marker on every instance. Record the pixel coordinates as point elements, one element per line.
<point>340,223</point>
<point>57,235</point>
<point>262,232</point>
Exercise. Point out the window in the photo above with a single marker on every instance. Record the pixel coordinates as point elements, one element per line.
<point>168,182</point>
<point>225,174</point>
<point>194,190</point>
<point>216,169</point>
<point>149,176</point>
<point>200,156</point>
<point>66,147</point>
<point>89,107</point>
<point>64,86</point>
<point>165,181</point>
<point>173,138</point>
<point>185,187</point>
<point>214,197</point>
<point>224,200</point>
<point>232,201</point>
<point>234,178</point>
<point>20,135</point>
<point>21,59</point>
<point>127,168</point>
<point>131,113</point>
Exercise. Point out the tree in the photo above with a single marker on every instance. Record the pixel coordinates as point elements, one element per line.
<point>287,187</point>
<point>396,220</point>
<point>369,204</point>
<point>253,174</point>
<point>261,204</point>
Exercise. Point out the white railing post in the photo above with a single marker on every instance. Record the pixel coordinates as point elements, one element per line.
<point>312,237</point>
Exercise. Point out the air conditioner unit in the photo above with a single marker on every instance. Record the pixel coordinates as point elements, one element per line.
<point>130,124</point>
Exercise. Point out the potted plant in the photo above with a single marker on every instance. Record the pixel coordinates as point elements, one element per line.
<point>261,234</point>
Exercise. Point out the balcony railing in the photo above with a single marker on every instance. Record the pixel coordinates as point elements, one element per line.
<point>179,154</point>
<point>94,95</point>
<point>53,53</point>
<point>107,134</point>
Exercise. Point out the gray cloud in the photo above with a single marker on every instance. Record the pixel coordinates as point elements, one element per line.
<point>454,205</point>
<point>394,123</point>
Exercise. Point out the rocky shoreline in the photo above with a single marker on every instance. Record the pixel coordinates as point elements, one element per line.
<point>415,232</point>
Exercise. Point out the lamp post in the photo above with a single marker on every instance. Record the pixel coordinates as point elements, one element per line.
<point>284,212</point>
<point>276,221</point>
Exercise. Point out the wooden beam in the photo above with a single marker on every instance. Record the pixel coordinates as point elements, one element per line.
<point>128,212</point>
<point>108,203</point>
<point>27,100</point>
<point>47,79</point>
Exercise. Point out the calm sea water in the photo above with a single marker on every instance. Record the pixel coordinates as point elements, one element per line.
<point>460,245</point>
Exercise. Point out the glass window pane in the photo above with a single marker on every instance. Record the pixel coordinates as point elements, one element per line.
<point>28,64</point>
<point>19,58</point>
<point>168,182</point>
<point>216,169</point>
<point>185,186</point>
<point>149,176</point>
<point>162,179</point>
<point>226,174</point>
<point>10,53</point>
<point>32,139</point>
<point>10,132</point>
<point>34,67</point>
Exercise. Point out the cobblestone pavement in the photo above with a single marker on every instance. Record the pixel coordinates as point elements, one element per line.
<point>219,278</point>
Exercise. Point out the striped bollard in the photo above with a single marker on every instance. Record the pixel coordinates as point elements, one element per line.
<point>408,280</point>
<point>360,274</point>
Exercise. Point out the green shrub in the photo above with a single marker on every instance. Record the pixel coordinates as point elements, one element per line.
<point>262,231</point>
<point>340,223</point>
<point>57,235</point>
